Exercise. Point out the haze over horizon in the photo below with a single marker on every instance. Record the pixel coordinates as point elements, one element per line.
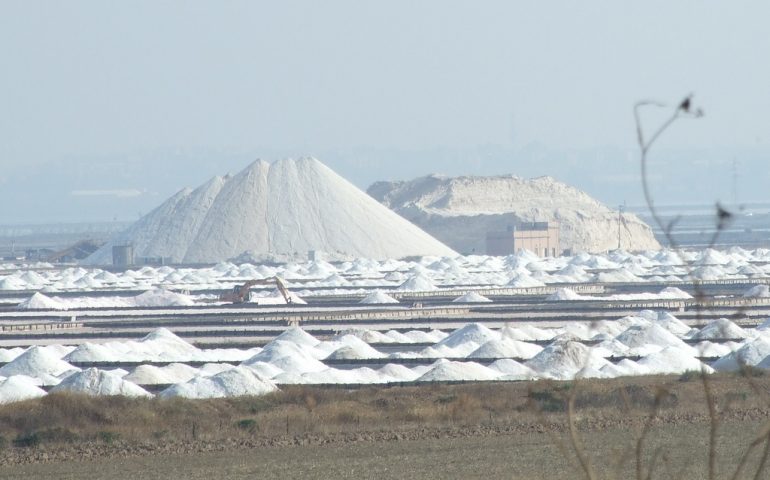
<point>108,109</point>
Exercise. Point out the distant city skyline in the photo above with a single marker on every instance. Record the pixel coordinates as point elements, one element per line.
<point>106,109</point>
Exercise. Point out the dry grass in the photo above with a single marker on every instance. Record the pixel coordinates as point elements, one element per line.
<point>67,418</point>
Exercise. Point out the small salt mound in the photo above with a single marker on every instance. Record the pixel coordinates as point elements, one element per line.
<point>564,294</point>
<point>506,348</point>
<point>362,375</point>
<point>514,334</point>
<point>672,360</point>
<point>17,388</point>
<point>237,381</point>
<point>720,329</point>
<point>512,370</point>
<point>9,354</point>
<point>152,375</point>
<point>447,371</point>
<point>278,349</point>
<point>610,348</point>
<point>264,370</point>
<point>162,298</point>
<point>418,336</point>
<point>673,293</point>
<point>39,363</point>
<point>298,365</point>
<point>210,369</point>
<point>472,297</point>
<point>757,291</point>
<point>563,359</point>
<point>378,297</point>
<point>535,333</point>
<point>524,281</point>
<point>644,335</point>
<point>710,349</point>
<point>590,372</point>
<point>671,323</point>
<point>368,336</point>
<point>93,381</point>
<point>751,354</point>
<point>354,349</point>
<point>92,352</point>
<point>417,283</point>
<point>162,344</point>
<point>472,332</point>
<point>297,336</point>
<point>398,373</point>
<point>38,301</point>
<point>629,368</point>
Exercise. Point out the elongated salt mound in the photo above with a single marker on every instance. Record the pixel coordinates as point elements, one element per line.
<point>461,210</point>
<point>284,209</point>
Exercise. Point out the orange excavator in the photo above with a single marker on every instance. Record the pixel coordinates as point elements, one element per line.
<point>242,293</point>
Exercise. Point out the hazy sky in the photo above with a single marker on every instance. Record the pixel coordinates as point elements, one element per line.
<point>107,108</point>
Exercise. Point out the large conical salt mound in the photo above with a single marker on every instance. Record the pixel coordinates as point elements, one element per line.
<point>284,209</point>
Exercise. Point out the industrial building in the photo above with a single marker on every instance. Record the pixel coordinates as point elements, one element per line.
<point>541,238</point>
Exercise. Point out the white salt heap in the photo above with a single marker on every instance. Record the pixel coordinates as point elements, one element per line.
<point>378,296</point>
<point>41,364</point>
<point>273,209</point>
<point>93,381</point>
<point>472,297</point>
<point>17,388</point>
<point>234,382</point>
<point>460,210</point>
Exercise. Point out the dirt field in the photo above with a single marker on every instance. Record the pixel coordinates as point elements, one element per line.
<point>457,434</point>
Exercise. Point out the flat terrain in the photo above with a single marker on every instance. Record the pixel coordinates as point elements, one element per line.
<point>517,430</point>
<point>526,456</point>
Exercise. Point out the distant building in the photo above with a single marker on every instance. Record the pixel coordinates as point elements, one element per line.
<point>122,255</point>
<point>541,238</point>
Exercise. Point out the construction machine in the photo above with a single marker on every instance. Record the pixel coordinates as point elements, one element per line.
<point>242,293</point>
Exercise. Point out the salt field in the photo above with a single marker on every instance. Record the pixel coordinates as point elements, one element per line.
<point>368,322</point>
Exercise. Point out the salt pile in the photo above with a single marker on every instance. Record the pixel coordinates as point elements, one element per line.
<point>447,371</point>
<point>354,348</point>
<point>652,335</point>
<point>152,375</point>
<point>512,370</point>
<point>377,297</point>
<point>417,283</point>
<point>162,298</point>
<point>460,210</point>
<point>472,297</point>
<point>238,381</point>
<point>672,360</point>
<point>273,209</point>
<point>563,359</point>
<point>751,354</point>
<point>39,363</point>
<point>506,348</point>
<point>472,332</point>
<point>17,388</point>
<point>720,329</point>
<point>39,301</point>
<point>524,281</point>
<point>93,381</point>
